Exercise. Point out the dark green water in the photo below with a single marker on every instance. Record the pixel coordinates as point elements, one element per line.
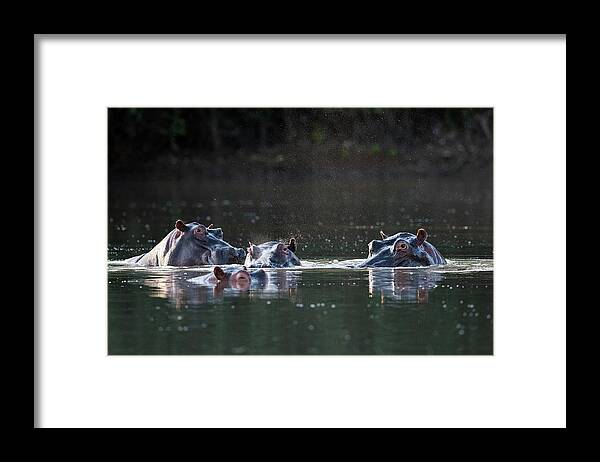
<point>322,308</point>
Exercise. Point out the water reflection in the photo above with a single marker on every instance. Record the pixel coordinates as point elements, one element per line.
<point>183,288</point>
<point>176,289</point>
<point>183,291</point>
<point>322,309</point>
<point>400,284</point>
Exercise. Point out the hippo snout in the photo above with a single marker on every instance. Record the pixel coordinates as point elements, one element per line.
<point>238,254</point>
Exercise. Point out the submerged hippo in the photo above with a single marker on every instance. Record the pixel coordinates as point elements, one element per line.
<point>191,245</point>
<point>402,249</point>
<point>238,278</point>
<point>272,254</point>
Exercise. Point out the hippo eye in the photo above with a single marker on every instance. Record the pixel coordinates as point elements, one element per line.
<point>402,246</point>
<point>200,233</point>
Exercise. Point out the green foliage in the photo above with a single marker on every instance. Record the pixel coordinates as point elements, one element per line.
<point>375,149</point>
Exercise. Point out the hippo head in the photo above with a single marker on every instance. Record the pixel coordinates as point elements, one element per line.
<point>273,254</point>
<point>240,279</point>
<point>402,249</point>
<point>195,244</point>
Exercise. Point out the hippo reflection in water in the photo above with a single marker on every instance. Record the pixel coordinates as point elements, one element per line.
<point>191,244</point>
<point>402,250</point>
<point>399,284</point>
<point>183,292</point>
<point>272,254</point>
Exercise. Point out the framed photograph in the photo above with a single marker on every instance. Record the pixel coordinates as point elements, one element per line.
<point>265,229</point>
<point>300,231</point>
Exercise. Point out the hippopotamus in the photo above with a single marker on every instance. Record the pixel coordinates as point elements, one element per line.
<point>237,278</point>
<point>402,250</point>
<point>191,244</point>
<point>272,254</point>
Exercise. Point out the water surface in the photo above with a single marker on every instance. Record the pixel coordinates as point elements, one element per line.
<point>323,307</point>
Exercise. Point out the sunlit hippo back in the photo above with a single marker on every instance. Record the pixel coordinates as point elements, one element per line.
<point>272,254</point>
<point>191,244</point>
<point>402,250</point>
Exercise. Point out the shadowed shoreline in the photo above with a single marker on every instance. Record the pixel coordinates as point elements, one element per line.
<point>298,142</point>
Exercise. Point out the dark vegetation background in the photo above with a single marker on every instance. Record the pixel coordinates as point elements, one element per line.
<point>179,142</point>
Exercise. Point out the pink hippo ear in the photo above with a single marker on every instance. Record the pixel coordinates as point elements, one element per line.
<point>219,273</point>
<point>180,225</point>
<point>421,236</point>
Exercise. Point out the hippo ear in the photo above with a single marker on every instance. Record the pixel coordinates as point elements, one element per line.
<point>292,244</point>
<point>180,225</point>
<point>219,273</point>
<point>253,250</point>
<point>421,236</point>
<point>383,235</point>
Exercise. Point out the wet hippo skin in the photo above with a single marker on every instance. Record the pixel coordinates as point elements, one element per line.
<point>402,250</point>
<point>191,244</point>
<point>272,254</point>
